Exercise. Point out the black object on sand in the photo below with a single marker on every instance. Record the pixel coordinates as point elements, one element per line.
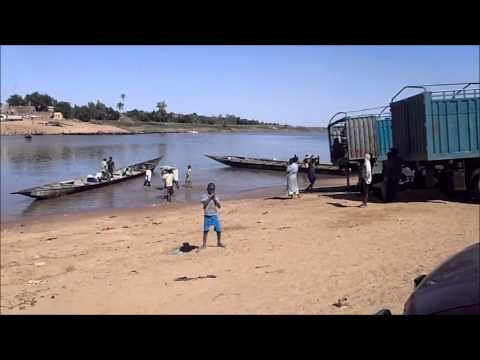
<point>186,247</point>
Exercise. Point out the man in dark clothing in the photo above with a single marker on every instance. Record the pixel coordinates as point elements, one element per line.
<point>111,166</point>
<point>393,172</point>
<point>311,174</point>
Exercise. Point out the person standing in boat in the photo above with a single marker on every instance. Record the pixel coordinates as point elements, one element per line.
<point>104,169</point>
<point>292,182</point>
<point>111,167</point>
<point>188,176</point>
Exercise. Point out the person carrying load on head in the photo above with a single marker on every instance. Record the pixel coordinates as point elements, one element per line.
<point>175,178</point>
<point>168,181</point>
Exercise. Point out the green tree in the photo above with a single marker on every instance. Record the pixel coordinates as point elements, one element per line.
<point>162,111</point>
<point>162,107</point>
<point>120,106</point>
<point>65,108</point>
<point>123,96</point>
<point>83,113</point>
<point>40,101</point>
<point>16,100</point>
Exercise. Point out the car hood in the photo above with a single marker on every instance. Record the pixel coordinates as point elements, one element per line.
<point>455,283</point>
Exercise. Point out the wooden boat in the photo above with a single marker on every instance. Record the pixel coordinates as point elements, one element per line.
<point>271,164</point>
<point>28,136</point>
<point>87,182</point>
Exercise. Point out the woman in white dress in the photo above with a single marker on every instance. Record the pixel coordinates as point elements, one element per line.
<point>292,183</point>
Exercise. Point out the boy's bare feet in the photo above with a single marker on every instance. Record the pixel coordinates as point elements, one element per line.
<point>221,245</point>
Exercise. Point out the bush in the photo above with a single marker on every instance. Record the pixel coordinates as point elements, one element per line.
<point>16,100</point>
<point>65,108</point>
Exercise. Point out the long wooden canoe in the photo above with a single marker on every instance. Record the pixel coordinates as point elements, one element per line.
<point>271,164</point>
<point>82,184</point>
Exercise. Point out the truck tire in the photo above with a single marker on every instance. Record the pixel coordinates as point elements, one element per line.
<point>474,188</point>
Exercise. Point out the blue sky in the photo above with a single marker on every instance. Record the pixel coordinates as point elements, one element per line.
<point>298,85</point>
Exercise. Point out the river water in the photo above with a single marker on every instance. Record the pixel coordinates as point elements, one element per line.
<point>49,158</point>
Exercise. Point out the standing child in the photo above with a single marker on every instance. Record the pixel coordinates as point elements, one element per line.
<point>210,204</point>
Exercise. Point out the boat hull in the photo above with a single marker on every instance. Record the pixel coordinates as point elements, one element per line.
<point>44,192</point>
<point>274,165</point>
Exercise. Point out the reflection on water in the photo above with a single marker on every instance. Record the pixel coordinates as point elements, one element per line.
<point>46,159</point>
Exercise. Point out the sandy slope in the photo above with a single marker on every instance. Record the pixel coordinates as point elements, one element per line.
<point>68,126</point>
<point>282,257</point>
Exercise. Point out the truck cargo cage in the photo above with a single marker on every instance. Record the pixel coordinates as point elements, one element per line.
<point>354,134</point>
<point>437,125</point>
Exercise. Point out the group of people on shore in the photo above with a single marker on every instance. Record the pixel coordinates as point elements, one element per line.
<point>293,168</point>
<point>394,173</point>
<point>170,180</point>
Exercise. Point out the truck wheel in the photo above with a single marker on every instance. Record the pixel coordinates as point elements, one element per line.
<point>474,187</point>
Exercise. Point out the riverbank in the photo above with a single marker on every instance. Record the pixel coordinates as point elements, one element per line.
<point>61,127</point>
<point>282,257</point>
<point>77,127</point>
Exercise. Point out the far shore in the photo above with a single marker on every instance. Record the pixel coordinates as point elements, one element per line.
<point>77,127</point>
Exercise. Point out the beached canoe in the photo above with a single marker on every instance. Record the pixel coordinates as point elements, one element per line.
<point>88,183</point>
<point>271,164</point>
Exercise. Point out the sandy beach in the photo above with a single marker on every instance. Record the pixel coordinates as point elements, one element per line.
<point>282,257</point>
<point>37,127</point>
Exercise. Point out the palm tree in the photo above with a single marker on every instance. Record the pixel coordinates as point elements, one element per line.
<point>120,106</point>
<point>123,96</point>
<point>162,107</point>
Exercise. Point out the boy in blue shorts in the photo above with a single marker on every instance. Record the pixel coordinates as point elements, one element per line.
<point>210,204</point>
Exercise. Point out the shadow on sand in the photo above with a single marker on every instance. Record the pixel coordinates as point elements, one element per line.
<point>340,205</point>
<point>278,198</point>
<point>407,196</point>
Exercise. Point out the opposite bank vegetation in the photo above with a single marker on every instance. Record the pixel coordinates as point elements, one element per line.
<point>134,121</point>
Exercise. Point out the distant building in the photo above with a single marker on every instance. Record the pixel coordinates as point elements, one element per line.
<point>51,109</point>
<point>57,115</point>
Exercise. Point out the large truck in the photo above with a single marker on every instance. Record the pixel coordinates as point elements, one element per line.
<point>437,133</point>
